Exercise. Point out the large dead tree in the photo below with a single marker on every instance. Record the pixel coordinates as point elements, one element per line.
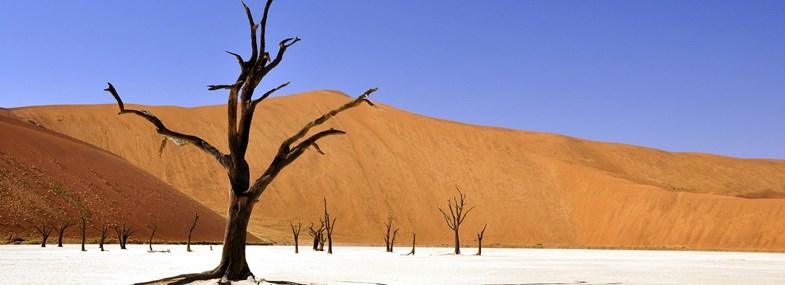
<point>329,226</point>
<point>479,239</point>
<point>458,212</point>
<point>389,234</point>
<point>45,232</point>
<point>241,106</point>
<point>296,234</point>
<point>122,234</point>
<point>61,231</point>
<point>190,231</point>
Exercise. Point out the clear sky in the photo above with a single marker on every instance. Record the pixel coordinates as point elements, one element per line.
<point>698,76</point>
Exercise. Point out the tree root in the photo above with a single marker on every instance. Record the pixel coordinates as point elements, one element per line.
<point>184,278</point>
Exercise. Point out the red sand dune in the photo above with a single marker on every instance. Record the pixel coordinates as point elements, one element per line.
<point>46,177</point>
<point>530,188</point>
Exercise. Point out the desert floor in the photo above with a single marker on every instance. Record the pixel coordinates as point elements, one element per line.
<point>29,264</point>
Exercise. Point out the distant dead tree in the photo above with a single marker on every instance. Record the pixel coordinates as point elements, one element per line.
<point>60,231</point>
<point>242,101</point>
<point>389,235</point>
<point>296,233</point>
<point>154,227</point>
<point>45,232</point>
<point>457,206</point>
<point>84,230</point>
<point>414,239</point>
<point>103,237</point>
<point>479,239</point>
<point>329,226</point>
<point>318,236</point>
<point>122,234</point>
<point>191,230</point>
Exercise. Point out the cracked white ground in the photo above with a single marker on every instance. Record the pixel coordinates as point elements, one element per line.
<point>30,264</point>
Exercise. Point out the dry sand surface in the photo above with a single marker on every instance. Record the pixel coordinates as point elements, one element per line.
<point>46,177</point>
<point>371,265</point>
<point>530,188</point>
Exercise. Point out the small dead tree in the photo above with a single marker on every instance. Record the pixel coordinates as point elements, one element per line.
<point>190,231</point>
<point>329,226</point>
<point>60,231</point>
<point>154,227</point>
<point>414,239</point>
<point>479,239</point>
<point>84,231</point>
<point>45,232</point>
<point>122,234</point>
<point>103,237</point>
<point>389,235</point>
<point>458,212</point>
<point>296,233</point>
<point>318,236</point>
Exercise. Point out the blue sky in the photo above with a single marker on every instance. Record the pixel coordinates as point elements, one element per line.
<point>698,76</point>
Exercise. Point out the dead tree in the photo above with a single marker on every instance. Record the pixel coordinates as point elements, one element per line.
<point>84,231</point>
<point>122,234</point>
<point>154,227</point>
<point>479,239</point>
<point>45,232</point>
<point>60,231</point>
<point>191,230</point>
<point>457,206</point>
<point>241,106</point>
<point>318,236</point>
<point>389,235</point>
<point>296,234</point>
<point>103,237</point>
<point>329,226</point>
<point>414,239</point>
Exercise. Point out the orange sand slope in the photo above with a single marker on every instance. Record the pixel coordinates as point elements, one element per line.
<point>46,177</point>
<point>530,188</point>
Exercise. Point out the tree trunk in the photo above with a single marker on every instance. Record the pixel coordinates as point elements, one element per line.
<point>414,240</point>
<point>233,265</point>
<point>84,229</point>
<point>155,227</point>
<point>457,242</point>
<point>190,231</point>
<point>479,247</point>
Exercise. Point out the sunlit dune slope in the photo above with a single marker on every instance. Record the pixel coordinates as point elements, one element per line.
<point>530,188</point>
<point>48,178</point>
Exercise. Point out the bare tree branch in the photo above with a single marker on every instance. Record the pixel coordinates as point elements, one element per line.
<point>163,130</point>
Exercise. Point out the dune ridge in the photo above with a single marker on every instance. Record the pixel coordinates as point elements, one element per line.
<point>530,188</point>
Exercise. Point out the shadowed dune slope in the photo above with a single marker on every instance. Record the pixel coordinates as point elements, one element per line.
<point>46,177</point>
<point>530,188</point>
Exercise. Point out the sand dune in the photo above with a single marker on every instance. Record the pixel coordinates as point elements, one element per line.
<point>46,177</point>
<point>530,188</point>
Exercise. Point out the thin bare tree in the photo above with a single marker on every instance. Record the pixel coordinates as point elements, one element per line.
<point>154,227</point>
<point>45,232</point>
<point>122,234</point>
<point>479,239</point>
<point>83,228</point>
<point>329,226</point>
<point>458,212</point>
<point>296,234</point>
<point>60,231</point>
<point>190,231</point>
<point>241,106</point>
<point>414,239</point>
<point>103,237</point>
<point>389,234</point>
